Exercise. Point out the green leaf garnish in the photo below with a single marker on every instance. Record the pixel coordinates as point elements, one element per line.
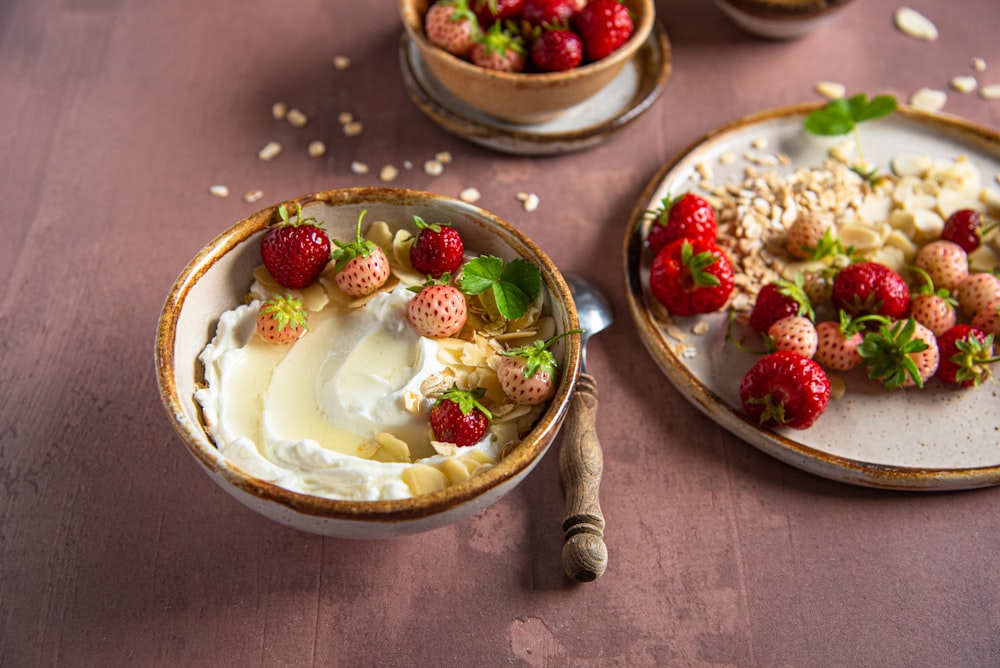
<point>515,285</point>
<point>842,116</point>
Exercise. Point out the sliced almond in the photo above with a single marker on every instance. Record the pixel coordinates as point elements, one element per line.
<point>928,99</point>
<point>916,25</point>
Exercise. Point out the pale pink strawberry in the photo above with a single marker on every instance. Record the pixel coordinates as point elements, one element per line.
<point>927,360</point>
<point>945,262</point>
<point>452,25</point>
<point>988,319</point>
<point>795,334</point>
<point>282,319</point>
<point>804,236</point>
<point>837,345</point>
<point>361,266</point>
<point>900,353</point>
<point>527,373</point>
<point>933,308</point>
<point>934,312</point>
<point>977,291</point>
<point>438,311</point>
<point>500,50</point>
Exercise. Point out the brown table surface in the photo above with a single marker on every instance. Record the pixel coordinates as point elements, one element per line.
<point>116,550</point>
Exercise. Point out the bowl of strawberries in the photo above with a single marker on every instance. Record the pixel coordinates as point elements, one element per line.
<point>526,61</point>
<point>368,362</point>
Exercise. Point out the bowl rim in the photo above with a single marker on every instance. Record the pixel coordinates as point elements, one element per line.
<point>413,23</point>
<point>199,444</point>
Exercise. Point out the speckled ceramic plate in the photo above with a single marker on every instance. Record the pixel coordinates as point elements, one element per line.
<point>931,439</point>
<point>626,98</point>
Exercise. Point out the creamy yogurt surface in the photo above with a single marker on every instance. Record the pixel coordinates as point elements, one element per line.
<point>312,417</point>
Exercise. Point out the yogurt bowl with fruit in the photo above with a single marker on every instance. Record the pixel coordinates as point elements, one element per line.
<point>341,363</point>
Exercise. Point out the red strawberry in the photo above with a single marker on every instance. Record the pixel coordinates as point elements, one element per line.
<point>685,217</point>
<point>541,12</point>
<point>438,310</point>
<point>490,11</point>
<point>869,287</point>
<point>527,373</point>
<point>451,25</point>
<point>806,235</point>
<point>604,26</point>
<point>458,417</point>
<point>988,319</point>
<point>934,309</point>
<point>557,49</point>
<point>282,319</point>
<point>945,262</point>
<point>965,228</point>
<point>691,277</point>
<point>966,355</point>
<point>295,252</point>
<point>785,389</point>
<point>837,344</point>
<point>901,353</point>
<point>777,300</point>
<point>362,267</point>
<point>795,334</point>
<point>977,291</point>
<point>437,250</point>
<point>500,50</point>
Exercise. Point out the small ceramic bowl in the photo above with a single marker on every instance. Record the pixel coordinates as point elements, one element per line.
<point>781,19</point>
<point>217,279</point>
<point>524,97</point>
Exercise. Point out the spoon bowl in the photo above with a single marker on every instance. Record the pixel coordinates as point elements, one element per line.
<point>593,310</point>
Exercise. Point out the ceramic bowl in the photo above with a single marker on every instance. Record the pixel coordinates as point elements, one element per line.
<point>781,19</point>
<point>217,279</point>
<point>523,97</point>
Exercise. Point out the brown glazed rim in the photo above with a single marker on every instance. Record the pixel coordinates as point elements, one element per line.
<point>201,447</point>
<point>733,420</point>
<point>775,9</point>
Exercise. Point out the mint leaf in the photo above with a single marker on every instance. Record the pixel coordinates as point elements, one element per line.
<point>840,116</point>
<point>480,274</point>
<point>879,106</point>
<point>515,285</point>
<point>835,118</point>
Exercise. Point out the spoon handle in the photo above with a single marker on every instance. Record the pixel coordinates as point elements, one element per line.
<point>581,463</point>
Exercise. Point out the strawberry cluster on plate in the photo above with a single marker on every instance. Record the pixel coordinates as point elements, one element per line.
<point>296,251</point>
<point>854,313</point>
<point>529,35</point>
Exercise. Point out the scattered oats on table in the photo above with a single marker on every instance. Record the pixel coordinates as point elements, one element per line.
<point>831,90</point>
<point>353,129</point>
<point>317,149</point>
<point>990,92</point>
<point>297,118</point>
<point>359,167</point>
<point>433,168</point>
<point>219,191</point>
<point>278,110</point>
<point>913,23</point>
<point>528,200</point>
<point>252,196</point>
<point>470,195</point>
<point>928,99</point>
<point>271,150</point>
<point>388,173</point>
<point>341,62</point>
<point>964,84</point>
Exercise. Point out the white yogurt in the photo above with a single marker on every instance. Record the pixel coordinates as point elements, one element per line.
<point>300,416</point>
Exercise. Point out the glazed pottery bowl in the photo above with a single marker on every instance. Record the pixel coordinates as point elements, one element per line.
<point>781,19</point>
<point>524,97</point>
<point>217,279</point>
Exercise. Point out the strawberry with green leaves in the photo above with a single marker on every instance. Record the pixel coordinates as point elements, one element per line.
<point>785,389</point>
<point>691,276</point>
<point>295,251</point>
<point>870,288</point>
<point>500,49</point>
<point>965,228</point>
<point>437,250</point>
<point>282,319</point>
<point>966,356</point>
<point>977,291</point>
<point>527,373</point>
<point>458,417</point>
<point>687,216</point>
<point>438,310</point>
<point>780,299</point>
<point>837,343</point>
<point>539,13</point>
<point>490,11</point>
<point>901,353</point>
<point>932,308</point>
<point>362,266</point>
<point>452,26</point>
<point>809,236</point>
